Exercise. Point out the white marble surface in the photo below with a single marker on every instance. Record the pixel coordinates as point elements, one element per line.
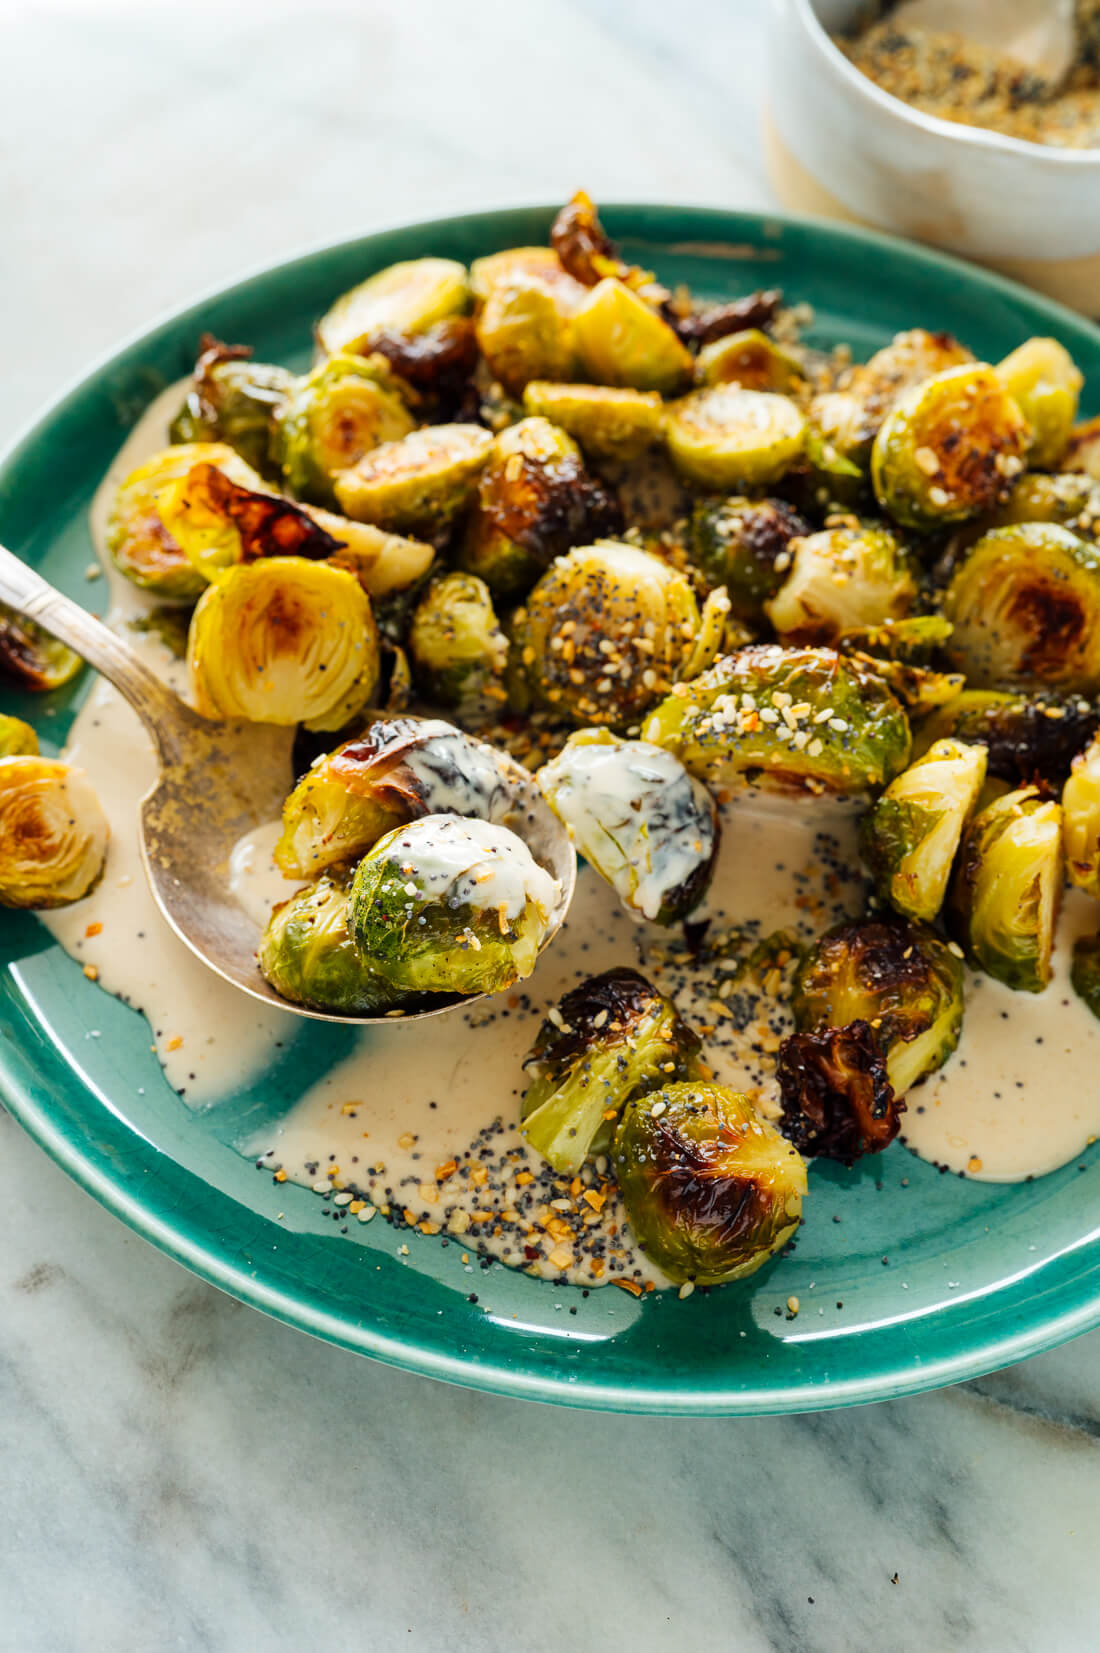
<point>178,1471</point>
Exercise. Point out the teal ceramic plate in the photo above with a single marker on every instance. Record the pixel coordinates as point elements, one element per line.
<point>916,1284</point>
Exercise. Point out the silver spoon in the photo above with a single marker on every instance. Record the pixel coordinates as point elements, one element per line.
<point>1040,34</point>
<point>221,780</point>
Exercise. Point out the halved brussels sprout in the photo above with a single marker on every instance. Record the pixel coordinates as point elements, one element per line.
<point>139,544</point>
<point>217,523</point>
<point>435,368</point>
<point>309,957</point>
<point>284,641</point>
<point>459,653</point>
<point>1007,887</point>
<point>744,545</point>
<point>341,410</point>
<point>409,297</point>
<point>609,422</point>
<point>1084,972</point>
<point>902,979</point>
<point>837,1099</point>
<point>842,578</point>
<point>749,359</point>
<point>526,331</point>
<point>234,400</point>
<point>792,720</point>
<point>446,905</point>
<point>1045,382</point>
<point>621,340</point>
<point>418,484</point>
<point>17,739</point>
<point>638,818</point>
<point>1028,738</point>
<point>613,1037</point>
<point>948,449</point>
<point>711,1189</point>
<point>910,835</point>
<point>607,630</point>
<point>53,833</point>
<point>726,437</point>
<point>31,657</point>
<point>1081,820</point>
<point>535,500</point>
<point>917,688</point>
<point>873,387</point>
<point>1069,498</point>
<point>520,264</point>
<point>1025,607</point>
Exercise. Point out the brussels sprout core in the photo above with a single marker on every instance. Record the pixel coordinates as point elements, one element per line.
<point>837,1098</point>
<point>53,833</point>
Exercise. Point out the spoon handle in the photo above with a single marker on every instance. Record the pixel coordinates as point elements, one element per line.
<point>163,712</point>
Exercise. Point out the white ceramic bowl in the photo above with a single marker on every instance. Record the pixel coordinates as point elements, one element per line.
<point>840,147</point>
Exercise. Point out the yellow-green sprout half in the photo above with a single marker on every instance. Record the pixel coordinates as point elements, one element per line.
<point>408,297</point>
<point>726,437</point>
<point>418,484</point>
<point>745,545</point>
<point>139,543</point>
<point>53,833</point>
<point>286,641</point>
<point>1045,381</point>
<point>608,421</point>
<point>1081,807</point>
<point>458,651</point>
<point>525,331</point>
<point>17,739</point>
<point>1004,897</point>
<point>235,400</point>
<point>1025,607</point>
<point>309,957</point>
<point>31,657</point>
<point>341,410</point>
<point>868,391</point>
<point>911,833</point>
<point>749,359</point>
<point>842,579</point>
<point>621,340</point>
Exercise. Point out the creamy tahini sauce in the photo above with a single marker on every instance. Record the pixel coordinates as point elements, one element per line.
<point>474,864</point>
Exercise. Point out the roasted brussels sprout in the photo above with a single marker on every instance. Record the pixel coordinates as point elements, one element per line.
<point>1084,972</point>
<point>1069,498</point>
<point>744,545</point>
<point>638,818</point>
<point>1043,379</point>
<point>613,1037</point>
<point>1028,739</point>
<point>459,653</point>
<point>341,410</point>
<point>608,421</point>
<point>699,323</point>
<point>284,641</point>
<point>385,564</point>
<point>1004,896</point>
<point>31,657</point>
<point>521,264</point>
<point>587,252</point>
<point>217,523</point>
<point>749,359</point>
<point>792,720</point>
<point>526,331</point>
<point>948,449</point>
<point>535,500</point>
<point>842,578</point>
<point>17,739</point>
<point>1025,607</point>
<point>910,835</point>
<point>53,833</point>
<point>308,956</point>
<point>446,905</point>
<point>409,297</point>
<point>1081,820</point>
<point>711,1190</point>
<point>913,641</point>
<point>139,544</point>
<point>621,340</point>
<point>234,400</point>
<point>902,979</point>
<point>872,388</point>
<point>435,367</point>
<point>917,688</point>
<point>418,484</point>
<point>837,1099</point>
<point>606,631</point>
<point>727,437</point>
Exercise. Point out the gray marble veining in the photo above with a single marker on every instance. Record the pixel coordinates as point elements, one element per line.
<point>180,1472</point>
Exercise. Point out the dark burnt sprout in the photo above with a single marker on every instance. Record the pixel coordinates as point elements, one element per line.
<point>837,1099</point>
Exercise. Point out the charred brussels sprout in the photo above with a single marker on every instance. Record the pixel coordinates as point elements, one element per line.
<point>418,484</point>
<point>614,1037</point>
<point>341,410</point>
<point>872,388</point>
<point>1068,498</point>
<point>1028,739</point>
<point>459,653</point>
<point>837,1099</point>
<point>621,340</point>
<point>1045,382</point>
<point>608,422</point>
<point>217,523</point>
<point>139,544</point>
<point>1084,972</point>
<point>526,331</point>
<point>1081,812</point>
<point>1007,887</point>
<point>31,657</point>
<point>535,500</point>
<point>607,630</point>
<point>435,367</point>
<point>727,437</point>
<point>842,578</point>
<point>308,956</point>
<point>385,564</point>
<point>638,818</point>
<point>1025,607</point>
<point>744,545</point>
<point>901,979</point>
<point>908,642</point>
<point>445,905</point>
<point>236,401</point>
<point>53,833</point>
<point>791,720</point>
<point>587,252</point>
<point>949,449</point>
<point>409,297</point>
<point>711,1190</point>
<point>749,359</point>
<point>910,835</point>
<point>917,688</point>
<point>284,641</point>
<point>17,739</point>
